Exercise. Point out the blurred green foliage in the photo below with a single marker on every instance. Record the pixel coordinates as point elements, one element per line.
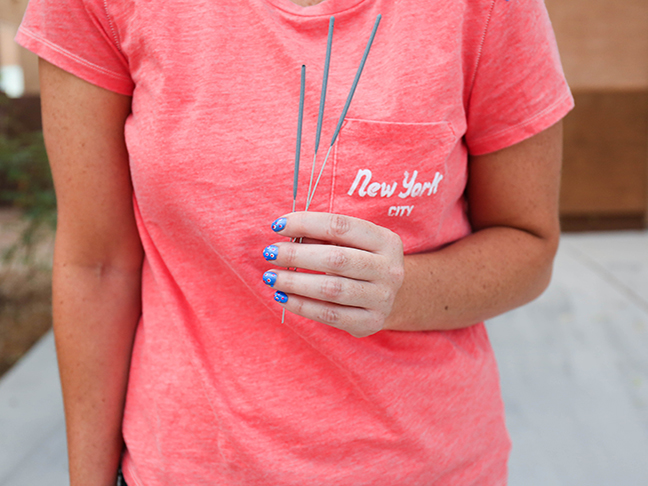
<point>26,184</point>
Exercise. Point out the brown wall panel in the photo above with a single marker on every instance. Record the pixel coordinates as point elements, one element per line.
<point>605,170</point>
<point>603,43</point>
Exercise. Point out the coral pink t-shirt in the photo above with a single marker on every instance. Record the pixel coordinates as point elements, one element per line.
<point>220,391</point>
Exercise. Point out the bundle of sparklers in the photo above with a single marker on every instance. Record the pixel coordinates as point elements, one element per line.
<point>320,116</point>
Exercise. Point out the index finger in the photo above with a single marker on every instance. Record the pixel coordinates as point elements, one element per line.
<point>340,230</point>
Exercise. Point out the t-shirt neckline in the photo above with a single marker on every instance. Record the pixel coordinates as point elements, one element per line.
<point>326,7</point>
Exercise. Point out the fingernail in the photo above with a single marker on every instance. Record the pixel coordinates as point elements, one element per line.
<point>270,252</point>
<point>279,224</point>
<point>280,297</point>
<point>269,278</point>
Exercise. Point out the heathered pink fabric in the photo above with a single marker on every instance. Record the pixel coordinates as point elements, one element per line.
<point>220,392</point>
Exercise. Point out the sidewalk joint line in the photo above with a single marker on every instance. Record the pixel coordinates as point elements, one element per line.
<point>596,267</point>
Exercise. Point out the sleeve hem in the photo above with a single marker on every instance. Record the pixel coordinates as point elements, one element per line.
<point>532,126</point>
<point>73,64</point>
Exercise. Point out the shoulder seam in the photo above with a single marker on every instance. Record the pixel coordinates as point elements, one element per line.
<point>112,26</point>
<point>481,46</point>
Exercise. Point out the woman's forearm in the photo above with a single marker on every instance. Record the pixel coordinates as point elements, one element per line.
<point>97,265</point>
<point>96,310</point>
<point>481,276</point>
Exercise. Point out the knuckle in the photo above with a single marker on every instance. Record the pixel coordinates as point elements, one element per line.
<point>329,315</point>
<point>386,296</point>
<point>337,260</point>
<point>289,254</point>
<point>397,242</point>
<point>332,288</point>
<point>397,273</point>
<point>288,281</point>
<point>338,225</point>
<point>298,306</point>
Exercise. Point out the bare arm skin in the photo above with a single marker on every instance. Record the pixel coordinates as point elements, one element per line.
<point>506,262</point>
<point>97,266</point>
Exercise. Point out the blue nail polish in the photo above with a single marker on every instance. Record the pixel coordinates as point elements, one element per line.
<point>280,297</point>
<point>270,252</point>
<point>279,224</point>
<point>269,278</point>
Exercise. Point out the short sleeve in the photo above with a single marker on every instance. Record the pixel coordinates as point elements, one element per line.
<point>519,88</point>
<point>78,37</point>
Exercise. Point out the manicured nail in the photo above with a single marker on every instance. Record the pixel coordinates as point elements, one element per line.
<point>280,297</point>
<point>270,252</point>
<point>279,224</point>
<point>269,278</point>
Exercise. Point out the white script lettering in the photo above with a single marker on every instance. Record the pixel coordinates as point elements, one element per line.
<point>400,210</point>
<point>366,187</point>
<point>416,189</point>
<point>408,184</point>
<point>362,179</point>
<point>438,177</point>
<point>366,173</point>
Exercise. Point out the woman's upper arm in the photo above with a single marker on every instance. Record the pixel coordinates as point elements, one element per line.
<point>84,134</point>
<point>518,186</point>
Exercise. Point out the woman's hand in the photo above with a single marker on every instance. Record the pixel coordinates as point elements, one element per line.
<point>360,264</point>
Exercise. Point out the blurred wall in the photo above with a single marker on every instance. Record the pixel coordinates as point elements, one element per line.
<point>604,49</point>
<point>603,43</point>
<point>11,12</point>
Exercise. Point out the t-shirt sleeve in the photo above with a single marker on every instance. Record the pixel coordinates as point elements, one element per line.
<point>519,88</point>
<point>77,36</point>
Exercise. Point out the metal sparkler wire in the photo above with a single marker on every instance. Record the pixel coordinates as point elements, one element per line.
<point>320,115</point>
<point>300,120</point>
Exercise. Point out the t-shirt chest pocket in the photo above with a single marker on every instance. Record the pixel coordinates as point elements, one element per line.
<point>394,175</point>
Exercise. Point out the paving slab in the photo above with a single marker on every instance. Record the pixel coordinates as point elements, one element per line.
<point>573,364</point>
<point>574,369</point>
<point>32,438</point>
<point>621,258</point>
